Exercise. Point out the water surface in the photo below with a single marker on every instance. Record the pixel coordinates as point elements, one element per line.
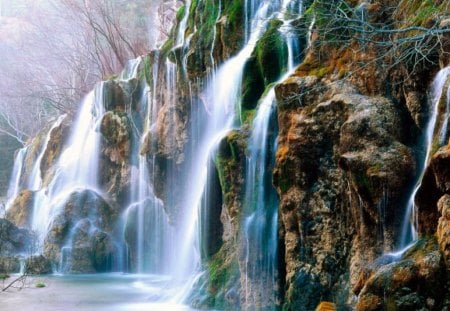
<point>112,291</point>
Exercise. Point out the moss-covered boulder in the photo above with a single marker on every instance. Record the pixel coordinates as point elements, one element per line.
<point>416,282</point>
<point>265,65</point>
<point>38,265</point>
<point>82,211</point>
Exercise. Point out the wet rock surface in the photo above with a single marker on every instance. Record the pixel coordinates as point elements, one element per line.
<point>417,281</point>
<point>12,239</point>
<point>38,265</point>
<point>81,230</point>
<point>340,173</point>
<point>21,209</point>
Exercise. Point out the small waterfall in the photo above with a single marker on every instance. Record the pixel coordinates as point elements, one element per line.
<point>310,32</point>
<point>443,134</point>
<point>14,183</point>
<point>78,163</point>
<point>410,221</point>
<point>76,168</point>
<point>222,96</point>
<point>146,225</point>
<point>183,24</point>
<point>35,179</point>
<point>260,225</point>
<point>131,69</point>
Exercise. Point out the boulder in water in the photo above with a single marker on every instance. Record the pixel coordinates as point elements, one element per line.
<point>12,239</point>
<point>103,252</point>
<point>416,282</point>
<point>9,264</point>
<point>38,265</point>
<point>83,215</point>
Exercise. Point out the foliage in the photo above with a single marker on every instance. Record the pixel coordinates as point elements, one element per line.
<point>40,285</point>
<point>4,276</point>
<point>384,34</point>
<point>56,51</point>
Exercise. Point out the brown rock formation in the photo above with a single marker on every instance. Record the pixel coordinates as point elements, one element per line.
<point>21,210</point>
<point>340,173</point>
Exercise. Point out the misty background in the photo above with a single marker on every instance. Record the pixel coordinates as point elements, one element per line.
<point>52,52</point>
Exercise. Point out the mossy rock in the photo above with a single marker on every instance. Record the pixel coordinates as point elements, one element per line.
<point>230,155</point>
<point>40,285</point>
<point>38,265</point>
<point>202,18</point>
<point>265,66</point>
<point>415,282</point>
<point>218,288</point>
<point>115,127</point>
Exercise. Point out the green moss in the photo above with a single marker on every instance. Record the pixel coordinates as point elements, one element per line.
<point>420,12</point>
<point>4,276</point>
<point>40,285</point>
<point>229,158</point>
<point>247,116</point>
<point>202,18</point>
<point>167,46</point>
<point>252,84</point>
<point>181,12</point>
<point>148,70</point>
<point>271,53</point>
<point>264,67</point>
<point>234,32</point>
<point>223,272</point>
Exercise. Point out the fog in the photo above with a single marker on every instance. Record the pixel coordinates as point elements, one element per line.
<point>53,51</point>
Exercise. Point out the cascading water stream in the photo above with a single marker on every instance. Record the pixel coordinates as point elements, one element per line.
<point>14,184</point>
<point>180,40</point>
<point>410,222</point>
<point>222,96</point>
<point>261,204</point>
<point>76,168</point>
<point>145,216</point>
<point>35,179</point>
<point>261,225</point>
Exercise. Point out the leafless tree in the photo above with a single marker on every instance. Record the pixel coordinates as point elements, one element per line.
<point>55,51</point>
<point>381,35</point>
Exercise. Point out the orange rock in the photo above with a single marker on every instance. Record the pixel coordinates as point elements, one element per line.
<point>326,306</point>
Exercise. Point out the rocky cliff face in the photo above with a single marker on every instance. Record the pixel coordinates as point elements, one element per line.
<point>349,123</point>
<point>349,151</point>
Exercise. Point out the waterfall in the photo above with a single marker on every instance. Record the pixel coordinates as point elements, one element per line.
<point>260,225</point>
<point>77,167</point>
<point>179,41</point>
<point>145,221</point>
<point>221,96</point>
<point>14,183</point>
<point>35,179</point>
<point>410,221</point>
<point>152,242</point>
